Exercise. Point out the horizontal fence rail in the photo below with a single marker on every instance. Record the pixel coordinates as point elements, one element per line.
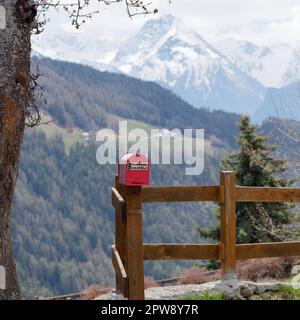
<point>261,194</point>
<point>181,251</point>
<point>180,194</point>
<point>267,250</point>
<point>129,252</point>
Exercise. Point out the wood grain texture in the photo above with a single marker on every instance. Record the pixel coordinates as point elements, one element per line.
<point>228,223</point>
<point>262,194</point>
<point>117,263</point>
<point>120,231</point>
<point>116,199</point>
<point>121,274</point>
<point>267,250</point>
<point>134,243</point>
<point>180,193</point>
<point>180,251</point>
<point>129,239</point>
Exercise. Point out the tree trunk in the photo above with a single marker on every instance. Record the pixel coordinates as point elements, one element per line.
<point>14,100</point>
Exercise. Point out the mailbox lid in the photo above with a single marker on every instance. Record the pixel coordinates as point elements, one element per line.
<point>134,158</point>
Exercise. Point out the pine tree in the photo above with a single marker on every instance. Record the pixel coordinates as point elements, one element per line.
<point>255,165</point>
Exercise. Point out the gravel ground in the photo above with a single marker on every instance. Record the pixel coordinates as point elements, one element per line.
<point>240,290</point>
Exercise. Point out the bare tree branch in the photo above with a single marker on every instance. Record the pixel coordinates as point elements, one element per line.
<point>78,10</point>
<point>266,224</point>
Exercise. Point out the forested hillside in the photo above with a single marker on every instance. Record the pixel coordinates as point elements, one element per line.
<point>79,96</point>
<point>63,218</point>
<point>64,221</point>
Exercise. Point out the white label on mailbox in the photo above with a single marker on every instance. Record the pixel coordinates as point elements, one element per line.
<point>2,18</point>
<point>2,278</point>
<point>137,166</point>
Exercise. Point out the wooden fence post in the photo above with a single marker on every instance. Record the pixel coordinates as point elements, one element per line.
<point>228,224</point>
<point>134,261</point>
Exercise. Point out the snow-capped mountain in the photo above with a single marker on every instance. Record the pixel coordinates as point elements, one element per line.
<point>76,47</point>
<point>280,103</point>
<point>274,66</point>
<point>232,75</point>
<point>165,50</point>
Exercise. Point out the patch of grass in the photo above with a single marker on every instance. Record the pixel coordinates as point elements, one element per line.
<point>134,124</point>
<point>168,143</point>
<point>204,296</point>
<point>69,138</point>
<point>289,292</point>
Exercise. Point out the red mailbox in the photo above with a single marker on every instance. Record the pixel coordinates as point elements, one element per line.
<point>134,170</point>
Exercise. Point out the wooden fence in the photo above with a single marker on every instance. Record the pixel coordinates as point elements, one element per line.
<point>129,252</point>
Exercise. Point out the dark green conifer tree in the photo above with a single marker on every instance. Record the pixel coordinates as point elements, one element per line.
<point>255,165</point>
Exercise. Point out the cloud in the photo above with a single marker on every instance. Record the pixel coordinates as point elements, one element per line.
<point>284,29</point>
<point>261,21</point>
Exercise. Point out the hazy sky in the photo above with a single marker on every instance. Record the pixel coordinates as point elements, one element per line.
<point>260,21</point>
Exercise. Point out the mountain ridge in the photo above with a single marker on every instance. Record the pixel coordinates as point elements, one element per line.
<point>260,61</point>
<point>233,75</point>
<point>116,95</point>
<point>178,58</point>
